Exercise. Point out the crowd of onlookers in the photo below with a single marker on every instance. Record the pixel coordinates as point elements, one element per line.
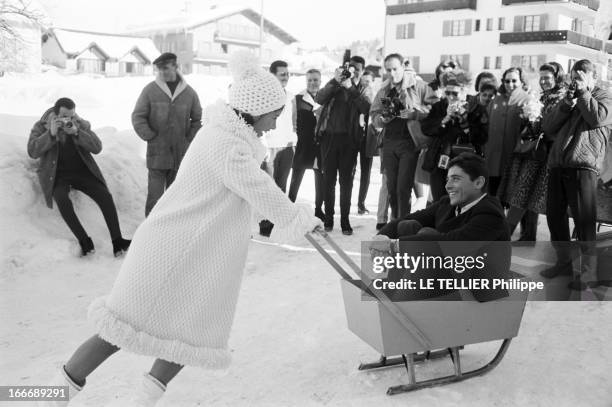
<point>543,148</point>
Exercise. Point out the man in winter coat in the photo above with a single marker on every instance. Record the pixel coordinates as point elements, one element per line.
<point>167,116</point>
<point>64,143</point>
<point>582,122</point>
<point>340,135</point>
<point>399,153</point>
<point>307,151</point>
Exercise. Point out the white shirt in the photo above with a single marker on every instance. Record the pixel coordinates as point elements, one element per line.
<point>285,125</point>
<point>459,210</point>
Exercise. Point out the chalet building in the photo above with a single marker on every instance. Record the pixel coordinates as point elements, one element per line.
<point>98,53</point>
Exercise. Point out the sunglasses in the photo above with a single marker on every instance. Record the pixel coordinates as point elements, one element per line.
<point>510,81</point>
<point>451,93</point>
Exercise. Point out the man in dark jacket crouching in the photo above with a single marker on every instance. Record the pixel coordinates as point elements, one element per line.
<point>64,143</point>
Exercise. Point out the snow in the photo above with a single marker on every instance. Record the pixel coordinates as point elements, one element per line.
<point>290,343</point>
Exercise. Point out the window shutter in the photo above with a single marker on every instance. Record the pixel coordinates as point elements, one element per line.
<point>446,28</point>
<point>410,30</point>
<point>465,62</point>
<point>543,22</point>
<point>515,61</point>
<point>468,27</point>
<point>398,32</point>
<point>416,63</point>
<point>519,23</point>
<point>541,60</point>
<point>502,23</point>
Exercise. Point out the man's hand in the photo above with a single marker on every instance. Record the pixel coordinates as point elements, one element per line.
<point>55,123</point>
<point>581,82</point>
<point>347,84</point>
<point>338,74</point>
<point>408,114</point>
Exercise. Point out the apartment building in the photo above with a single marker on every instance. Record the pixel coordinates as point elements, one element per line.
<point>493,35</point>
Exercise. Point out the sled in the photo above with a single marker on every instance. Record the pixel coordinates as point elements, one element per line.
<point>412,332</point>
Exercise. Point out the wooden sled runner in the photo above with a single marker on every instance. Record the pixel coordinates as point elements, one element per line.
<point>411,332</point>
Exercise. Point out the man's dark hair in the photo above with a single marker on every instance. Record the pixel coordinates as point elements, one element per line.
<point>585,66</point>
<point>394,56</point>
<point>358,60</point>
<point>473,165</point>
<point>368,72</point>
<point>63,102</point>
<point>488,86</point>
<point>277,64</point>
<point>313,70</point>
<point>485,75</point>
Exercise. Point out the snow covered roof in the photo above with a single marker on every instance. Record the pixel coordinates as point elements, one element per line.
<point>194,20</point>
<point>113,46</point>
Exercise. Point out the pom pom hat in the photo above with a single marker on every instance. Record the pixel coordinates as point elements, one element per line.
<point>254,91</point>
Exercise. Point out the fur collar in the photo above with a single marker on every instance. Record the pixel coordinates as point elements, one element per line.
<point>182,85</point>
<point>220,116</point>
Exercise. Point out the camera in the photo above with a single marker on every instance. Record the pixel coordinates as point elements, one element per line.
<point>391,107</point>
<point>348,71</point>
<point>66,122</point>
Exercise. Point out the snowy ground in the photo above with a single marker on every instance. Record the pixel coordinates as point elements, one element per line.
<point>290,343</point>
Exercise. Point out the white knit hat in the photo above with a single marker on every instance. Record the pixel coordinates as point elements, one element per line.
<point>254,90</point>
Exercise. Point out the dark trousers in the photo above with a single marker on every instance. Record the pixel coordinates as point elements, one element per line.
<point>437,183</point>
<point>281,167</point>
<point>576,189</point>
<point>96,190</point>
<point>159,181</point>
<point>297,174</point>
<point>365,164</point>
<point>400,161</point>
<point>528,220</point>
<point>338,162</point>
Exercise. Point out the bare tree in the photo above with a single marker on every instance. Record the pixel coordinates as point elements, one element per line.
<point>15,14</point>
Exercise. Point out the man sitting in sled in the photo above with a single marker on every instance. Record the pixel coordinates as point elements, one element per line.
<point>467,214</point>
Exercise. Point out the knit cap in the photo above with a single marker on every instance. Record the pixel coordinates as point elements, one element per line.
<point>254,91</point>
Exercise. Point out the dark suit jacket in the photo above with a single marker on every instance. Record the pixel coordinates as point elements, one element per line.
<point>479,227</point>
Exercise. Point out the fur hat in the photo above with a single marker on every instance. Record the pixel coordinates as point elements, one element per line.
<point>254,91</point>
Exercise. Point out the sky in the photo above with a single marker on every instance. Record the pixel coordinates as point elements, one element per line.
<point>314,23</point>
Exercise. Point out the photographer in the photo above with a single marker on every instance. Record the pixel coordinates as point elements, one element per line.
<point>400,99</point>
<point>343,98</point>
<point>580,125</point>
<point>454,129</point>
<point>64,143</point>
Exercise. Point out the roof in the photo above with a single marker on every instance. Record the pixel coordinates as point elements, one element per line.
<point>115,46</point>
<point>196,19</point>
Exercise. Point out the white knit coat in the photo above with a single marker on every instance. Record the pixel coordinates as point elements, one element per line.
<point>176,292</point>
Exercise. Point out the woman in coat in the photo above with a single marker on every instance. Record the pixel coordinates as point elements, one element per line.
<point>449,127</point>
<point>505,124</point>
<point>525,180</point>
<point>176,292</point>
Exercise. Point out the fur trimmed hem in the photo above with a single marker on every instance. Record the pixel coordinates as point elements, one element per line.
<point>110,328</point>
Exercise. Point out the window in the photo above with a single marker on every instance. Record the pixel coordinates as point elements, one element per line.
<point>404,31</point>
<point>532,23</point>
<point>224,48</point>
<point>489,24</point>
<point>453,28</point>
<point>477,25</point>
<point>529,62</point>
<point>501,23</point>
<point>462,61</point>
<point>498,62</point>
<point>487,63</point>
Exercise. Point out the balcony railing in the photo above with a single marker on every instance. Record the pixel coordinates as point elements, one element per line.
<point>237,33</point>
<point>428,6</point>
<point>552,36</point>
<point>592,4</point>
